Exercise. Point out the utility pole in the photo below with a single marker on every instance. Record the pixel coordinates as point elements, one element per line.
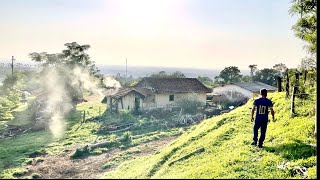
<point>12,65</point>
<point>126,69</point>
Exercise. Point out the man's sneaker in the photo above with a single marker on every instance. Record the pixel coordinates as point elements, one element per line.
<point>254,143</point>
<point>260,146</point>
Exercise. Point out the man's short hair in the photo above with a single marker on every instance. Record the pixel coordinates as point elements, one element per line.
<point>263,92</point>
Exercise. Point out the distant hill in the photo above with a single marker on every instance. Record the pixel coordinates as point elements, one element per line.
<point>141,71</point>
<point>138,71</point>
<point>220,148</point>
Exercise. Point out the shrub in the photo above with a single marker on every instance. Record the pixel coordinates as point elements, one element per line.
<point>189,104</point>
<point>15,97</point>
<point>126,137</point>
<point>107,165</point>
<point>6,107</point>
<point>35,176</point>
<point>28,161</point>
<point>19,172</point>
<point>81,152</point>
<point>126,116</point>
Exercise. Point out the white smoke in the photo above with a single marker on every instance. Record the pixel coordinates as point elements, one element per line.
<point>58,102</point>
<point>112,85</point>
<point>86,82</point>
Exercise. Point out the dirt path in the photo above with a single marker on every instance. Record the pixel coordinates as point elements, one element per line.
<point>61,166</point>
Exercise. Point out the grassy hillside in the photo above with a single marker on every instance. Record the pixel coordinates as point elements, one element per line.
<point>220,147</point>
<point>19,155</point>
<point>18,151</point>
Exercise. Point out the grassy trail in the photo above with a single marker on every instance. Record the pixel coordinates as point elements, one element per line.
<point>220,148</point>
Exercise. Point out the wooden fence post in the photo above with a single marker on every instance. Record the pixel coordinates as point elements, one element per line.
<point>315,122</point>
<point>84,116</point>
<point>287,84</point>
<point>305,76</point>
<point>292,99</point>
<point>279,83</point>
<point>297,78</point>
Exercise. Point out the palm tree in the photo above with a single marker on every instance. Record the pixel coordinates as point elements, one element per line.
<point>252,67</point>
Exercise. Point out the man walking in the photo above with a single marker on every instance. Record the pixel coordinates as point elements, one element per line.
<point>262,106</point>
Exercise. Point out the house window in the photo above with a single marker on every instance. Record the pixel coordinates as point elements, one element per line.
<point>171,97</point>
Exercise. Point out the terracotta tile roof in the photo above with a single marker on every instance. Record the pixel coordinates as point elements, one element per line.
<point>173,85</point>
<point>124,91</point>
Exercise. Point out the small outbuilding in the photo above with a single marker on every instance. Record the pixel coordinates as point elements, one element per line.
<point>242,90</point>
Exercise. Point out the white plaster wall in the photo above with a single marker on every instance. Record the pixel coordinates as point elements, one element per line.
<point>149,102</point>
<point>162,100</point>
<point>128,101</point>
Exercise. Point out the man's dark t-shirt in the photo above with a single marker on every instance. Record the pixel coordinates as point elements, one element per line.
<point>263,105</point>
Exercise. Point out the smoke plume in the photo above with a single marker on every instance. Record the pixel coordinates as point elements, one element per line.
<point>57,82</point>
<point>57,101</point>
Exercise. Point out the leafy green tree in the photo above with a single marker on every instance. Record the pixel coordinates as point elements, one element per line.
<point>206,81</point>
<point>160,74</point>
<point>177,74</point>
<point>228,75</point>
<point>125,82</point>
<point>308,64</point>
<point>280,68</point>
<point>246,78</point>
<point>164,74</point>
<point>306,26</point>
<point>73,56</point>
<point>13,81</point>
<point>267,76</point>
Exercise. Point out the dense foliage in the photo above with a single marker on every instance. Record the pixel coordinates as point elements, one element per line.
<point>306,26</point>
<point>228,75</point>
<point>65,64</point>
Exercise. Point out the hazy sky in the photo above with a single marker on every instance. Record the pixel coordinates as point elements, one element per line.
<point>178,33</point>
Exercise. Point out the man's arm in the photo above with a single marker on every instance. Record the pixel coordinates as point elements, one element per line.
<point>272,113</point>
<point>252,112</point>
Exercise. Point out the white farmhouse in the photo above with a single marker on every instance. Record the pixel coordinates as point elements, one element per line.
<point>152,92</point>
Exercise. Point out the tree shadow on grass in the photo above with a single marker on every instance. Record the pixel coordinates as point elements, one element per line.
<point>293,151</point>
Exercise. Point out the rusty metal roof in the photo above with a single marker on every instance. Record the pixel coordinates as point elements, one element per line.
<point>255,86</point>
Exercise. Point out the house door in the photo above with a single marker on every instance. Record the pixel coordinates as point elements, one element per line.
<point>137,103</point>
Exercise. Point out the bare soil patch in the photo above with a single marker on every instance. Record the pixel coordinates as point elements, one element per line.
<point>62,166</point>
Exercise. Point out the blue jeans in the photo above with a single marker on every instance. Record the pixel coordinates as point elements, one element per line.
<point>262,125</point>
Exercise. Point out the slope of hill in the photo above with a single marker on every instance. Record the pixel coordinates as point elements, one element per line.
<point>220,148</point>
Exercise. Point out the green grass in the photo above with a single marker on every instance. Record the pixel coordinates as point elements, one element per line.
<point>14,173</point>
<point>227,152</point>
<point>15,152</point>
<point>23,150</point>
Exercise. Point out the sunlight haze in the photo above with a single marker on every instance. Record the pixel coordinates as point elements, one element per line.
<point>180,33</point>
